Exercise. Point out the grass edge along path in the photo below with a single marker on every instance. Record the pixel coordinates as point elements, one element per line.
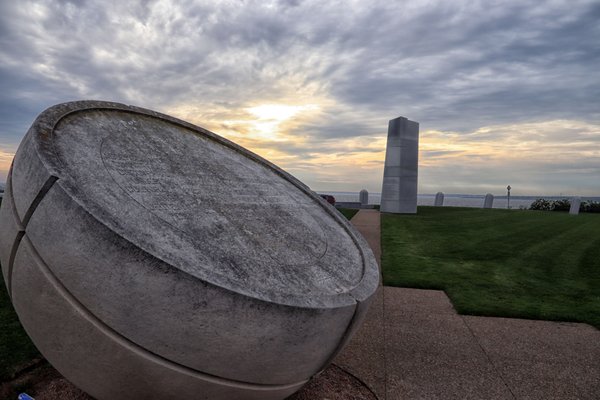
<point>16,349</point>
<point>503,263</point>
<point>348,212</point>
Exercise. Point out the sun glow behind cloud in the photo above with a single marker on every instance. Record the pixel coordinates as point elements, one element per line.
<point>5,161</point>
<point>535,158</point>
<point>270,118</point>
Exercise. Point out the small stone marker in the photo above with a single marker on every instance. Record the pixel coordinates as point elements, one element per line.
<point>575,205</point>
<point>363,197</point>
<point>401,171</point>
<point>150,258</point>
<point>439,199</point>
<point>488,201</point>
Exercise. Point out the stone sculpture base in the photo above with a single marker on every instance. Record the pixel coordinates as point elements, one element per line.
<point>148,258</point>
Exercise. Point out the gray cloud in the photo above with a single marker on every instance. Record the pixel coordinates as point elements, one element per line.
<point>461,68</point>
<point>450,65</point>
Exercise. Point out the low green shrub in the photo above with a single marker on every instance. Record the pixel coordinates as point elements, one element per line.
<point>564,205</point>
<point>348,212</point>
<point>541,205</point>
<point>561,205</point>
<point>591,206</point>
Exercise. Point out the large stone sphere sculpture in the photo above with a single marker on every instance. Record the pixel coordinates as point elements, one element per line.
<point>148,258</point>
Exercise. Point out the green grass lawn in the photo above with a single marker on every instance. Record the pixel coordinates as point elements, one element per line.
<point>348,212</point>
<point>525,264</point>
<point>15,346</point>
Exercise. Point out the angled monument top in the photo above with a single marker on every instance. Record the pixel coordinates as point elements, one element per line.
<point>201,203</point>
<point>137,245</point>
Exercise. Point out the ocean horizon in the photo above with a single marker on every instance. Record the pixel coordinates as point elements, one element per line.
<point>450,199</point>
<point>460,199</point>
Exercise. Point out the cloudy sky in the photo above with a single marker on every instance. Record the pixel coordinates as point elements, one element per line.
<point>506,92</point>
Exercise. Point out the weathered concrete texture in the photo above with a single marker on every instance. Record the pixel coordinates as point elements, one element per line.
<point>542,359</point>
<point>575,205</point>
<point>213,316</point>
<point>158,258</point>
<point>98,359</point>
<point>368,223</point>
<point>400,174</point>
<point>364,356</point>
<point>439,199</point>
<point>413,345</point>
<point>488,201</point>
<point>434,355</point>
<point>11,233</point>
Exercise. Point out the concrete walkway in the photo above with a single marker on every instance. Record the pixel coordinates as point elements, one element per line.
<point>414,345</point>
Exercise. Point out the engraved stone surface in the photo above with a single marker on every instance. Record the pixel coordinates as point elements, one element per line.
<point>488,201</point>
<point>400,174</point>
<point>146,256</point>
<point>439,199</point>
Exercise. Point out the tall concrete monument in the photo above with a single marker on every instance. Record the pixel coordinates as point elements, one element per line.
<point>148,258</point>
<point>400,174</point>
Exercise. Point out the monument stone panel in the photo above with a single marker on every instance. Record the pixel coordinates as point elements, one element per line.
<point>401,170</point>
<point>488,201</point>
<point>439,199</point>
<point>575,205</point>
<point>363,198</point>
<point>146,256</point>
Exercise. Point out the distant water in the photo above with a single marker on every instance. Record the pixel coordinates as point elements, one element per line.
<point>458,200</point>
<point>450,200</point>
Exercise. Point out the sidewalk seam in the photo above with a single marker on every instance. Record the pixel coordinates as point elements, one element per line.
<point>385,369</point>
<point>374,219</point>
<point>487,356</point>
<point>357,378</point>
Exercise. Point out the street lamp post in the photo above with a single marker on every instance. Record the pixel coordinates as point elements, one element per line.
<point>508,197</point>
